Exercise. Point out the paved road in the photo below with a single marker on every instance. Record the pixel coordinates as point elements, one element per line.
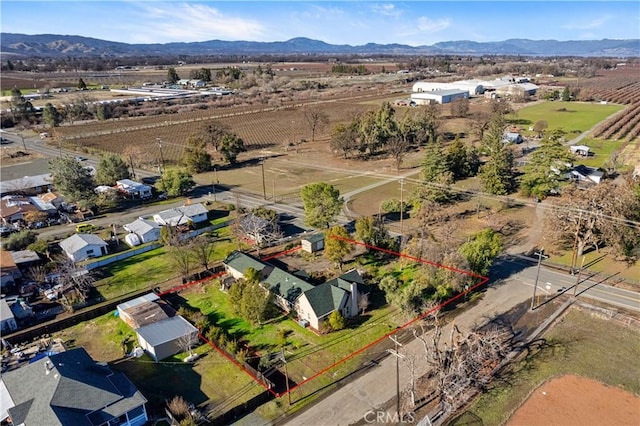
<point>350,403</point>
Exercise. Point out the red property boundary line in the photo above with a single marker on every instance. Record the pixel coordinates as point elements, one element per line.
<point>483,280</point>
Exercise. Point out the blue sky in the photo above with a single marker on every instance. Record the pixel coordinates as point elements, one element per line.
<point>347,22</point>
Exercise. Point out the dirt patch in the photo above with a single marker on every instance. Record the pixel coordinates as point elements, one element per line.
<point>574,400</point>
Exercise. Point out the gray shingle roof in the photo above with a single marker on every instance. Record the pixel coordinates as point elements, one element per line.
<point>141,226</point>
<point>68,388</point>
<point>78,241</point>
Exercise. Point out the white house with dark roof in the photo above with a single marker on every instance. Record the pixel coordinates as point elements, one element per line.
<point>146,230</point>
<point>79,247</point>
<point>70,389</point>
<point>195,213</point>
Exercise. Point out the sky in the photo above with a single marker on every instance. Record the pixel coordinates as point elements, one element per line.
<point>343,22</point>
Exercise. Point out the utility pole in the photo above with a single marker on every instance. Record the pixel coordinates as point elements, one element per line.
<point>286,375</point>
<point>264,188</point>
<point>397,354</point>
<point>574,254</point>
<point>575,288</point>
<point>401,211</point>
<point>535,286</point>
<point>159,142</point>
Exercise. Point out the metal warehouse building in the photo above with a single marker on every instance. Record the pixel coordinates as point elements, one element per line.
<point>439,96</point>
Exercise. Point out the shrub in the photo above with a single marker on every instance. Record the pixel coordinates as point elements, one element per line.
<point>20,240</point>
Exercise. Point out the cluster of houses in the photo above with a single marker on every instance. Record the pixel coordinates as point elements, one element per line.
<point>81,246</point>
<point>427,92</point>
<point>14,205</point>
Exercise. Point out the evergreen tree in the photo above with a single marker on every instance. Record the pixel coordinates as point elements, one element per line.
<point>322,204</point>
<point>435,174</point>
<point>21,109</point>
<point>172,75</point>
<point>547,167</point>
<point>51,115</point>
<point>195,158</point>
<point>176,182</point>
<point>72,179</point>
<point>111,168</point>
<point>231,146</point>
<point>497,174</point>
<point>336,249</point>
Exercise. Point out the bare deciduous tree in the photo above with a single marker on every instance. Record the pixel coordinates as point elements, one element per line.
<point>187,342</point>
<point>316,119</point>
<point>257,230</point>
<point>71,277</point>
<point>461,364</point>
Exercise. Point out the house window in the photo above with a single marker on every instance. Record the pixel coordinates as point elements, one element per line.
<point>90,252</point>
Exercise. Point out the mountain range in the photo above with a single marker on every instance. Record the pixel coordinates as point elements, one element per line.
<point>52,45</point>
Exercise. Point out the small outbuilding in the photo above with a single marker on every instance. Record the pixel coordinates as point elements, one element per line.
<point>313,243</point>
<point>582,150</point>
<point>512,137</point>
<point>164,338</point>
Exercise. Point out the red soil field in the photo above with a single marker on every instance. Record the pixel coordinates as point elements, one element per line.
<point>573,400</point>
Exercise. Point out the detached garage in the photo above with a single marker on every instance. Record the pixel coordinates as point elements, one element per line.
<point>162,339</point>
<point>439,96</point>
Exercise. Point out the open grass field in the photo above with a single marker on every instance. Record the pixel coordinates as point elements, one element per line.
<point>602,150</point>
<point>570,116</point>
<point>580,344</point>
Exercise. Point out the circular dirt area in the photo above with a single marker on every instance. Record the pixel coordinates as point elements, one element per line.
<point>573,400</point>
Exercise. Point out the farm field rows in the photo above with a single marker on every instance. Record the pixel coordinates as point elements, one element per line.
<point>259,129</point>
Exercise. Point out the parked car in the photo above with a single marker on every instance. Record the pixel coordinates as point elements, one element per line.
<point>85,228</point>
<point>5,231</point>
<point>44,135</point>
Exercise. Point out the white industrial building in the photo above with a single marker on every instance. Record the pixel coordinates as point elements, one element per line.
<point>473,87</point>
<point>439,96</point>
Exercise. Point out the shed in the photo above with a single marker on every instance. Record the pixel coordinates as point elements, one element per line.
<point>582,150</point>
<point>313,243</point>
<point>162,339</point>
<point>512,137</point>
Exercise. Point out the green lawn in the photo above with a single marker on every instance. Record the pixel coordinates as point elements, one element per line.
<point>307,352</point>
<point>135,273</point>
<point>148,269</point>
<point>570,116</point>
<point>602,150</point>
<point>583,345</point>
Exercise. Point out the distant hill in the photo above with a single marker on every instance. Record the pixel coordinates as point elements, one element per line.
<point>52,45</point>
